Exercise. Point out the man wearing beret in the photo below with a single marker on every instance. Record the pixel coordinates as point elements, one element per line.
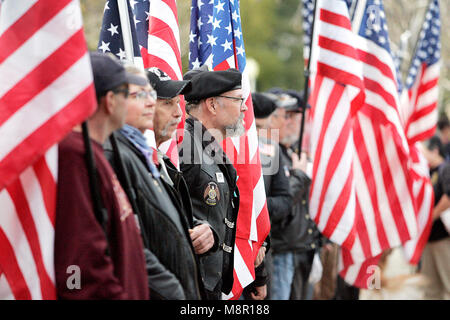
<point>216,111</point>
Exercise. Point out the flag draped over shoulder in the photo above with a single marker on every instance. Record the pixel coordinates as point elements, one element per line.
<point>45,90</point>
<point>216,40</point>
<point>154,35</point>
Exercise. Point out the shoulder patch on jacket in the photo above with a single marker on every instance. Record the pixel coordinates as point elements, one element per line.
<point>211,195</point>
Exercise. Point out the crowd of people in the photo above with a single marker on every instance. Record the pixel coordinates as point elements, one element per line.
<point>140,227</point>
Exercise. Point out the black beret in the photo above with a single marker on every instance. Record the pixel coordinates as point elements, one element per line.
<point>263,104</point>
<point>207,84</point>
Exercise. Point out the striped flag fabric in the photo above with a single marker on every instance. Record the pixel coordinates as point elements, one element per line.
<point>337,93</point>
<point>368,204</point>
<point>155,39</point>
<point>386,207</point>
<point>424,196</point>
<point>421,93</point>
<point>45,90</point>
<point>216,40</point>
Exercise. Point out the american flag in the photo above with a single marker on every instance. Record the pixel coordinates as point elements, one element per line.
<point>112,36</point>
<point>45,89</point>
<point>155,37</point>
<point>337,93</point>
<point>385,215</point>
<point>216,40</point>
<point>424,196</point>
<point>421,92</point>
<point>383,210</point>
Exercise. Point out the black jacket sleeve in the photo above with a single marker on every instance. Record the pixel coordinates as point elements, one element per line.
<point>279,200</point>
<point>162,283</point>
<point>299,185</point>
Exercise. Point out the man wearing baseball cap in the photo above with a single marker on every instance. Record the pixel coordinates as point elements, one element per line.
<point>168,113</point>
<point>97,258</point>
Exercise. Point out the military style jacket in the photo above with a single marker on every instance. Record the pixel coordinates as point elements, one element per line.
<point>215,198</point>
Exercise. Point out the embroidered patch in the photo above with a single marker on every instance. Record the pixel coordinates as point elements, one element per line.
<point>211,194</point>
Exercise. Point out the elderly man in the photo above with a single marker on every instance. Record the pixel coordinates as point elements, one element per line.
<point>108,252</point>
<point>173,266</point>
<point>216,111</point>
<point>295,241</point>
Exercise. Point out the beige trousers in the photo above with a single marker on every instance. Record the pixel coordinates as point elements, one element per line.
<point>436,267</point>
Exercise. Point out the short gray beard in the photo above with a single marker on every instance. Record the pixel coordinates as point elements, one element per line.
<point>237,129</point>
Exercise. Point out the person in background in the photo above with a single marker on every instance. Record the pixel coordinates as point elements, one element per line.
<point>436,255</point>
<point>276,184</point>
<point>296,241</point>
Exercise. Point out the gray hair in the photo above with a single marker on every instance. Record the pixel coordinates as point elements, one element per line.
<point>191,105</point>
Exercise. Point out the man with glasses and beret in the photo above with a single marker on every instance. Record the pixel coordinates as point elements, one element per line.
<point>216,111</point>
<point>97,259</point>
<point>171,261</point>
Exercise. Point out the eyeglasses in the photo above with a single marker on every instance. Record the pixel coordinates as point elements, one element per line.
<point>144,95</point>
<point>234,98</point>
<point>125,91</point>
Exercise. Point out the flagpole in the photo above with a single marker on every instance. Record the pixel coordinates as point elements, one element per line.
<point>126,29</point>
<point>305,88</point>
<point>99,209</point>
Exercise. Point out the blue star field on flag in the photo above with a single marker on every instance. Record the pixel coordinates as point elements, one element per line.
<point>429,46</point>
<point>215,33</point>
<point>374,27</point>
<point>111,39</point>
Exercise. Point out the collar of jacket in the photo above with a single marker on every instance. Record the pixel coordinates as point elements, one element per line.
<point>209,144</point>
<point>211,150</point>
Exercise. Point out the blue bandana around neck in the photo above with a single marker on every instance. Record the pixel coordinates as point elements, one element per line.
<point>138,140</point>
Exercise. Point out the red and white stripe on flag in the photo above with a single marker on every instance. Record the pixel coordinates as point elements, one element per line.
<point>362,188</point>
<point>421,92</point>
<point>164,53</point>
<point>385,215</point>
<point>421,104</point>
<point>45,90</point>
<point>424,197</point>
<point>337,92</point>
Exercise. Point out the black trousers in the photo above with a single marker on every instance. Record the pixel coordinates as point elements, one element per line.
<point>303,264</point>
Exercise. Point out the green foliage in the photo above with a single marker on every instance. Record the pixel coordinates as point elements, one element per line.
<point>273,37</point>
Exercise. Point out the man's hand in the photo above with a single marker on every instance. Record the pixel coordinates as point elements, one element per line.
<point>260,256</point>
<point>260,294</point>
<point>299,163</point>
<point>202,238</point>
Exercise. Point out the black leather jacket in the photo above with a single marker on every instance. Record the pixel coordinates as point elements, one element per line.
<point>164,227</point>
<point>215,198</point>
<point>298,232</point>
